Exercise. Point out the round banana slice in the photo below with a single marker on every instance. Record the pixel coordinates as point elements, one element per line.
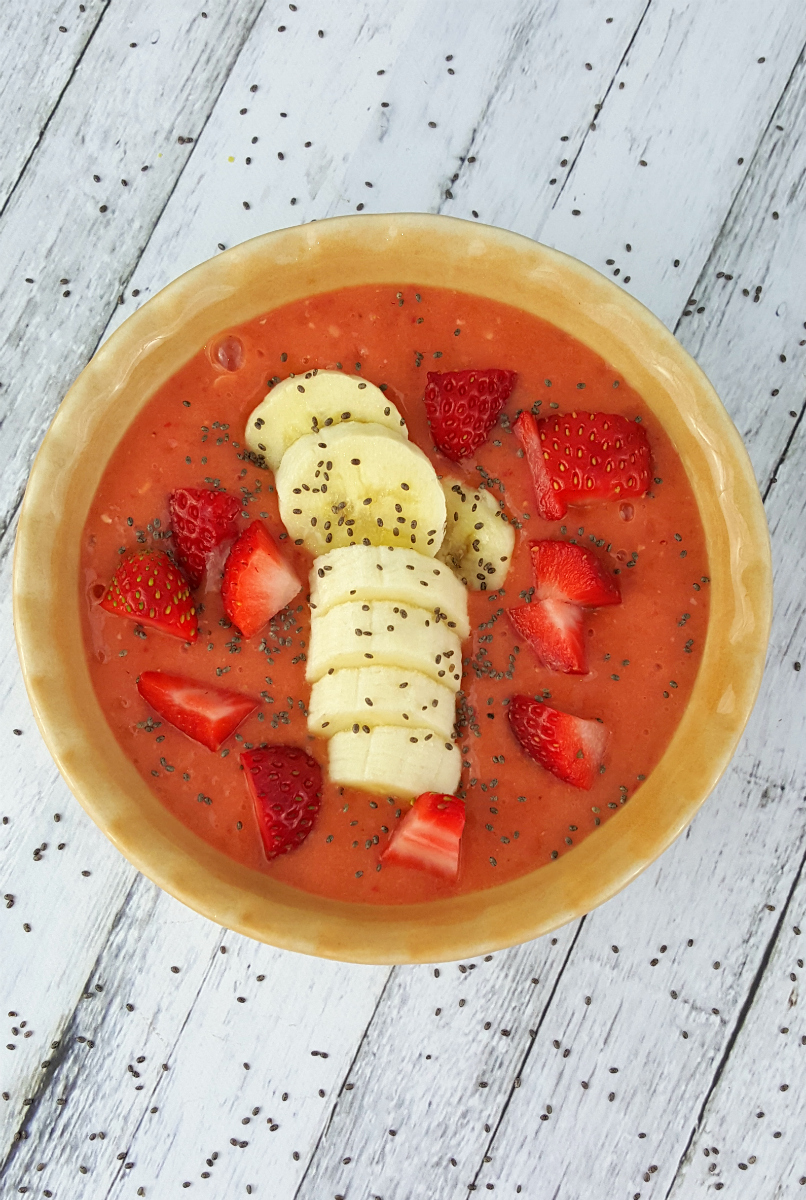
<point>389,573</point>
<point>364,697</point>
<point>360,484</point>
<point>378,633</point>
<point>394,761</point>
<point>317,400</point>
<point>479,539</point>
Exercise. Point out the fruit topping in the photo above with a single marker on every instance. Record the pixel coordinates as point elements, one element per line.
<point>393,760</point>
<point>286,786</point>
<point>572,748</point>
<point>380,696</point>
<point>429,836</point>
<point>463,406</point>
<point>565,571</point>
<point>554,630</point>
<point>479,539</point>
<point>200,520</point>
<point>360,484</point>
<point>575,458</point>
<point>258,582</point>
<point>382,634</point>
<point>207,714</point>
<point>317,400</point>
<point>389,573</point>
<point>149,588</point>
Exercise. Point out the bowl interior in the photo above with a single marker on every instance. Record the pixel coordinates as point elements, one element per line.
<point>264,274</point>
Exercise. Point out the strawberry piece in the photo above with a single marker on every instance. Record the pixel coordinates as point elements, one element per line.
<point>258,582</point>
<point>565,571</point>
<point>207,714</point>
<point>429,836</point>
<point>549,505</point>
<point>463,406</point>
<point>286,786</point>
<point>201,519</point>
<point>576,457</point>
<point>555,632</point>
<point>572,748</point>
<point>147,587</point>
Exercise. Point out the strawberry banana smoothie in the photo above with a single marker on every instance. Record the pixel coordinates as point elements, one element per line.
<point>394,594</point>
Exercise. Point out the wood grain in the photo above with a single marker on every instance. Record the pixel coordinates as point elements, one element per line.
<point>40,51</point>
<point>695,100</point>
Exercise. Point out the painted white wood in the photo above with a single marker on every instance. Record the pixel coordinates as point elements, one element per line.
<point>191,1020</point>
<point>520,83</point>
<point>126,108</point>
<point>695,100</point>
<point>39,49</point>
<point>397,55</point>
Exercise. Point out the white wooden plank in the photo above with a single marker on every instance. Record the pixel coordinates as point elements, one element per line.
<point>39,50</point>
<point>62,908</point>
<point>110,125</point>
<point>750,1137</point>
<point>755,363</point>
<point>503,58</point>
<point>224,1058</point>
<point>434,1072</point>
<point>695,100</point>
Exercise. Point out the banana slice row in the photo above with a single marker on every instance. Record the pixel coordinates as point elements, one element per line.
<point>389,585</point>
<point>385,671</point>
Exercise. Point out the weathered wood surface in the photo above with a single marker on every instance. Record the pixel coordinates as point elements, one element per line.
<point>695,101</point>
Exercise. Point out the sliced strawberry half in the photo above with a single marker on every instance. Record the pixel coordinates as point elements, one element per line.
<point>258,582</point>
<point>429,836</point>
<point>555,632</point>
<point>576,458</point>
<point>572,748</point>
<point>147,587</point>
<point>463,406</point>
<point>207,714</point>
<point>286,786</point>
<point>565,571</point>
<point>201,519</point>
<point>549,505</point>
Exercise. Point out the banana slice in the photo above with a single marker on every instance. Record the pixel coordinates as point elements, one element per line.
<point>479,539</point>
<point>364,697</point>
<point>304,404</point>
<point>360,484</point>
<point>379,633</point>
<point>388,573</point>
<point>394,761</point>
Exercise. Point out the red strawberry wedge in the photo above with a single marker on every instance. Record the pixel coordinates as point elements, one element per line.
<point>565,571</point>
<point>207,714</point>
<point>429,836</point>
<point>258,582</point>
<point>463,406</point>
<point>576,458</point>
<point>571,748</point>
<point>200,520</point>
<point>150,589</point>
<point>554,630</point>
<point>286,786</point>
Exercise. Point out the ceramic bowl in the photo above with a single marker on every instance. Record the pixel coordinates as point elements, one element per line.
<point>274,270</point>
